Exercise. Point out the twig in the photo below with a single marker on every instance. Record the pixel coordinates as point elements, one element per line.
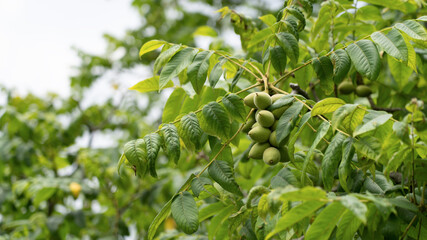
<point>375,107</point>
<point>407,228</point>
<point>298,89</point>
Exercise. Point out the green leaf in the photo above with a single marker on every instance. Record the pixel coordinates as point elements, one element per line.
<point>205,31</point>
<point>325,223</point>
<point>290,193</point>
<point>255,192</point>
<point>268,19</point>
<point>198,70</point>
<point>345,165</point>
<point>393,44</point>
<point>400,72</point>
<point>43,195</point>
<point>172,145</point>
<point>412,56</point>
<point>365,57</point>
<point>321,132</point>
<point>234,105</point>
<point>222,173</point>
<point>414,29</point>
<point>378,184</point>
<point>342,64</point>
<point>324,70</point>
<point>289,44</point>
<point>284,178</point>
<point>153,142</point>
<point>173,105</point>
<point>150,46</point>
<point>347,226</point>
<point>281,102</point>
<point>327,105</point>
<point>136,154</point>
<point>216,72</point>
<point>215,120</point>
<point>210,210</point>
<point>185,213</point>
<point>160,217</point>
<point>190,131</point>
<point>348,117</point>
<point>259,37</point>
<point>150,85</point>
<point>236,77</point>
<point>397,159</point>
<point>368,146</point>
<point>294,137</point>
<point>218,221</point>
<point>177,63</point>
<point>287,121</point>
<point>295,215</point>
<point>331,160</point>
<point>164,57</point>
<point>298,15</point>
<point>278,59</point>
<point>372,124</point>
<point>197,185</point>
<point>355,206</point>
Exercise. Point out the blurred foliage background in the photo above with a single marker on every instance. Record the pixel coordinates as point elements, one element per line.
<point>47,143</point>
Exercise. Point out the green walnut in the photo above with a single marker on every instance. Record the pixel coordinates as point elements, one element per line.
<point>248,125</point>
<point>271,156</point>
<point>273,139</point>
<point>346,87</point>
<point>256,124</point>
<point>249,100</point>
<point>257,150</point>
<point>276,97</point>
<point>265,118</point>
<point>363,91</point>
<point>262,100</point>
<point>279,112</point>
<point>259,134</point>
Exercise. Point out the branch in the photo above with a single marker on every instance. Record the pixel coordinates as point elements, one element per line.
<point>298,89</point>
<point>390,110</point>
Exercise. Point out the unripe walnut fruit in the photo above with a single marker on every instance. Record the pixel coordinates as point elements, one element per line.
<point>262,100</point>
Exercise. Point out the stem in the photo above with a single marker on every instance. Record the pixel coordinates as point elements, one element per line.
<point>407,228</point>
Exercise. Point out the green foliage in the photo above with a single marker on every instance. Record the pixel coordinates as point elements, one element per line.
<point>352,166</point>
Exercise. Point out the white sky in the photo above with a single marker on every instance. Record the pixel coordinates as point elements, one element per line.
<point>36,38</point>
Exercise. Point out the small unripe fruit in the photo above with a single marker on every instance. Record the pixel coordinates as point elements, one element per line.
<point>249,100</point>
<point>248,125</point>
<point>279,112</point>
<point>273,139</point>
<point>346,87</point>
<point>259,134</point>
<point>256,124</point>
<point>75,189</point>
<point>276,97</point>
<point>257,150</point>
<point>363,91</point>
<point>265,118</point>
<point>271,156</point>
<point>262,100</point>
<point>275,125</point>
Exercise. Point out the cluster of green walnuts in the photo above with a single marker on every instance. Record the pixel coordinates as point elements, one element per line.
<point>347,87</point>
<point>261,128</point>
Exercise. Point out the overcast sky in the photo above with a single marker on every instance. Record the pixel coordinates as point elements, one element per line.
<point>37,36</point>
